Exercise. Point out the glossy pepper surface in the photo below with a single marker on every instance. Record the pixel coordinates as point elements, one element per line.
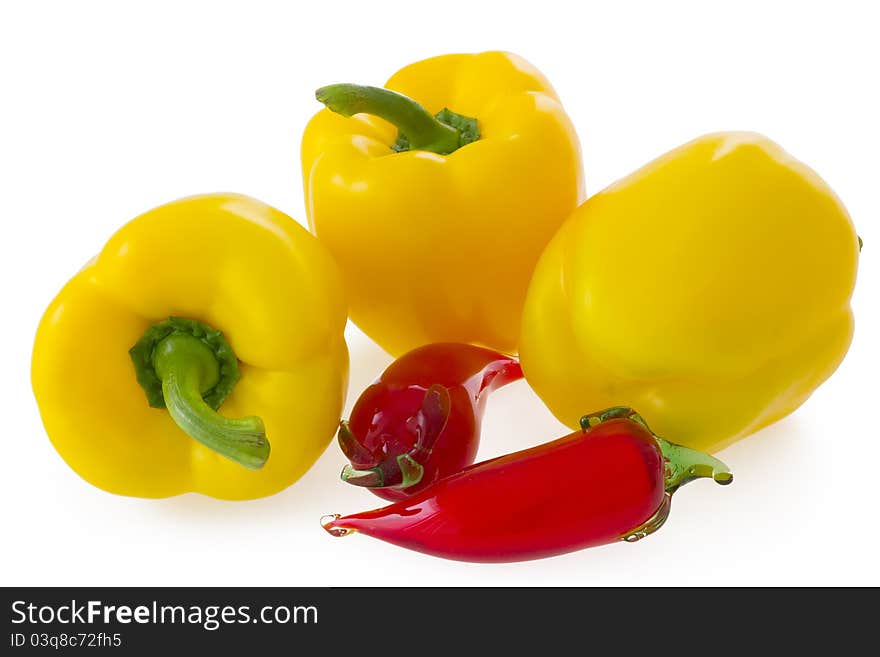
<point>610,481</point>
<point>201,350</point>
<point>421,420</point>
<point>437,222</point>
<point>709,289</point>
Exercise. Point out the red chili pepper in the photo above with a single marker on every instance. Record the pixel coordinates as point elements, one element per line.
<point>421,420</point>
<point>611,481</point>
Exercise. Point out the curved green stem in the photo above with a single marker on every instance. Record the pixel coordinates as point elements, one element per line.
<point>195,370</point>
<point>422,130</point>
<point>411,470</point>
<point>372,478</point>
<point>684,464</point>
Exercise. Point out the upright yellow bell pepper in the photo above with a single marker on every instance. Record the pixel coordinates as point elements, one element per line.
<point>710,290</point>
<point>437,221</point>
<point>186,302</point>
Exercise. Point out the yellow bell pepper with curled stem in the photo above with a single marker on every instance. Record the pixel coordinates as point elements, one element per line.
<point>709,289</point>
<point>208,301</point>
<point>437,194</point>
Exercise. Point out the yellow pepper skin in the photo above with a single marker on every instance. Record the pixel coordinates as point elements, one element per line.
<point>238,266</point>
<point>434,247</point>
<point>709,289</point>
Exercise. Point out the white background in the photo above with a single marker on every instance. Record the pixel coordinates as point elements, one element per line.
<point>108,109</point>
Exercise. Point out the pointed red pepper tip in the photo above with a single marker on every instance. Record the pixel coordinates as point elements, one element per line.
<point>328,522</point>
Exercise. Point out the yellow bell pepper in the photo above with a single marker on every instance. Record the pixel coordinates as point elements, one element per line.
<point>437,221</point>
<point>710,290</point>
<point>207,293</point>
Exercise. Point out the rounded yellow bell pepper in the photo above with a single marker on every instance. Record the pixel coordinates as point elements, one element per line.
<point>437,221</point>
<point>209,300</point>
<point>709,289</point>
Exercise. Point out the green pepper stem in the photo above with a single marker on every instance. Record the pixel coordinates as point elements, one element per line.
<point>188,368</point>
<point>684,464</point>
<point>424,131</point>
<point>372,478</point>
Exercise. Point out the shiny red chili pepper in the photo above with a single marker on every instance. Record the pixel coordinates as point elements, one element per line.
<point>421,420</point>
<point>611,481</point>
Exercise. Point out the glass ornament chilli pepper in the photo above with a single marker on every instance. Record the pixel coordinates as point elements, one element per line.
<point>464,158</point>
<point>201,350</point>
<point>612,480</point>
<point>420,421</point>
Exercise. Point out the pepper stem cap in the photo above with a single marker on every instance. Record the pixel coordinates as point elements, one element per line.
<point>189,369</point>
<point>443,133</point>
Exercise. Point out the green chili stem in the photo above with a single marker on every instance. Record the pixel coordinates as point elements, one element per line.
<point>372,478</point>
<point>684,464</point>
